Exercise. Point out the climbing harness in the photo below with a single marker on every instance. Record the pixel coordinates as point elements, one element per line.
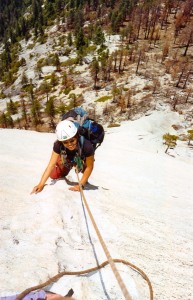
<point>78,159</point>
<point>109,260</point>
<point>79,163</point>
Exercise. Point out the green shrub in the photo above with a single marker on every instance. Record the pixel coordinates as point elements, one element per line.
<point>170,141</point>
<point>31,46</point>
<point>190,136</point>
<point>42,39</point>
<point>113,125</point>
<point>67,90</point>
<point>90,49</point>
<point>103,99</point>
<point>2,95</point>
<point>69,62</point>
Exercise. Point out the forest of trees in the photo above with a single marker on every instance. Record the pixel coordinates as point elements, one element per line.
<point>140,23</point>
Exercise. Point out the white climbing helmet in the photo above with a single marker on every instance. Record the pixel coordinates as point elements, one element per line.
<point>65,130</point>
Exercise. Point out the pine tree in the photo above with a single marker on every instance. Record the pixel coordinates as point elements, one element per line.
<point>57,61</point>
<point>24,111</point>
<point>99,37</point>
<point>51,111</point>
<point>45,87</point>
<point>10,122</point>
<point>53,79</point>
<point>80,39</point>
<point>24,79</point>
<point>94,69</point>
<point>3,120</point>
<point>170,141</point>
<point>69,39</point>
<point>35,112</point>
<point>12,107</point>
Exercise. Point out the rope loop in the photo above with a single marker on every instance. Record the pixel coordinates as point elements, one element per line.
<point>107,253</point>
<point>109,260</point>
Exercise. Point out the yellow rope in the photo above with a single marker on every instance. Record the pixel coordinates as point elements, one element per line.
<point>56,277</point>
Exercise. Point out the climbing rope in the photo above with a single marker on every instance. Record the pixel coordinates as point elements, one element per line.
<point>105,263</point>
<point>107,253</point>
<point>110,261</point>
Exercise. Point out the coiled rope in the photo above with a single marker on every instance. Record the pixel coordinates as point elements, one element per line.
<point>105,263</point>
<point>110,261</point>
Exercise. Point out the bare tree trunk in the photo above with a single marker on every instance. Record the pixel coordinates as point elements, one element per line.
<point>180,77</point>
<point>188,43</point>
<point>167,149</point>
<point>120,61</point>
<point>187,97</point>
<point>187,76</point>
<point>138,62</point>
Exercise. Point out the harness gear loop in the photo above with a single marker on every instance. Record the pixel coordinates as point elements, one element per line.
<point>110,260</point>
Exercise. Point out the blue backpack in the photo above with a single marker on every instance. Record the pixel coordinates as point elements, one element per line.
<point>87,127</point>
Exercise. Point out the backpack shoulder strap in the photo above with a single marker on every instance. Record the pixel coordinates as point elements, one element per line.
<point>81,144</point>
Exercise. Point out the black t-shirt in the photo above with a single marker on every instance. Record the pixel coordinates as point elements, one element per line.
<point>87,150</point>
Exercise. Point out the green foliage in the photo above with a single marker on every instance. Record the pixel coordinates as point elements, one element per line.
<point>69,62</point>
<point>61,40</point>
<point>53,79</point>
<point>71,105</point>
<point>170,141</point>
<point>66,51</point>
<point>12,18</point>
<point>113,125</point>
<point>94,69</point>
<point>115,18</point>
<point>69,39</point>
<point>6,120</point>
<point>2,95</point>
<point>35,112</point>
<point>41,62</point>
<point>45,87</point>
<point>31,46</point>
<point>115,91</point>
<point>101,49</point>
<point>103,99</point>
<point>67,90</point>
<point>9,63</point>
<point>12,107</point>
<point>8,78</point>
<point>10,122</point>
<point>50,108</point>
<point>190,136</point>
<point>56,61</point>
<point>61,109</point>
<point>24,79</point>
<point>99,37</point>
<point>90,49</point>
<point>42,39</point>
<point>80,39</point>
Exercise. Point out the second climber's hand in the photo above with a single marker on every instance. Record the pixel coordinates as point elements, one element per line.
<point>75,188</point>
